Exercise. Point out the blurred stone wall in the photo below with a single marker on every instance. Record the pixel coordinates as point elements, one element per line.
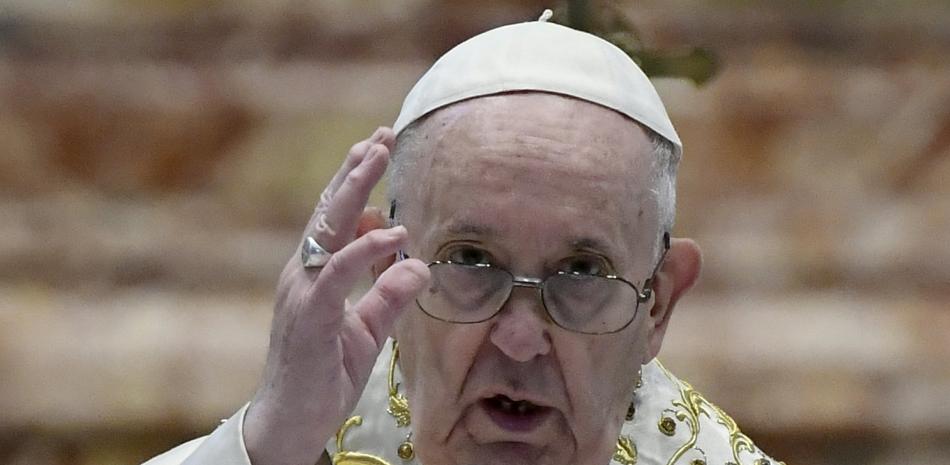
<point>157,160</point>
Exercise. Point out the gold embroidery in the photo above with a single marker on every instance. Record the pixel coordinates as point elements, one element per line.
<point>398,408</point>
<point>687,409</point>
<point>398,404</point>
<point>739,441</point>
<point>405,451</point>
<point>346,457</point>
<point>667,426</point>
<point>690,407</point>
<point>693,404</point>
<point>626,453</point>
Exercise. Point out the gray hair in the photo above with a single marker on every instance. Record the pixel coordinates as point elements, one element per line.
<point>409,144</point>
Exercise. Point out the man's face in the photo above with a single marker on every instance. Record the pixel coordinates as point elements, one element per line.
<point>534,183</point>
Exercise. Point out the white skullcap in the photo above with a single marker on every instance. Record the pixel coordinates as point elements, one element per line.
<point>539,56</point>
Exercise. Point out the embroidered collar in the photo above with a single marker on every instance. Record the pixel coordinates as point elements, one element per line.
<point>674,425</point>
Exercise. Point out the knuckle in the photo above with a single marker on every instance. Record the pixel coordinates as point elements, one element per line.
<point>356,176</point>
<point>336,265</point>
<point>325,197</point>
<point>389,295</point>
<point>324,230</point>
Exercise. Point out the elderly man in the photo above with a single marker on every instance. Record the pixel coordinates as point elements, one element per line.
<point>523,283</point>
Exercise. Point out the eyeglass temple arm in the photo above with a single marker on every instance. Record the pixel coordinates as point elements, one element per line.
<point>401,254</point>
<point>648,284</point>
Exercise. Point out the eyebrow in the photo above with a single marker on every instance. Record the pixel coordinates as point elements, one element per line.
<point>585,242</point>
<point>462,228</point>
<point>576,242</point>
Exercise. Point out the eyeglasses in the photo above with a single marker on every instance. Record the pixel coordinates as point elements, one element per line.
<point>583,303</point>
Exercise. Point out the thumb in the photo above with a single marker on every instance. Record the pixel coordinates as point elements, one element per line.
<point>392,292</point>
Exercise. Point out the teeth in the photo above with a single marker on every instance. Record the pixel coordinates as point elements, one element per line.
<point>514,406</point>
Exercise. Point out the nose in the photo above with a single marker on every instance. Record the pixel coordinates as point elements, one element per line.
<point>521,328</point>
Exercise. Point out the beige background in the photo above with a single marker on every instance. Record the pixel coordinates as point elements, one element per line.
<point>157,160</point>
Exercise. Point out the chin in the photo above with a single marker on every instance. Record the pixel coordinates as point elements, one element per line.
<point>501,453</point>
<point>465,449</point>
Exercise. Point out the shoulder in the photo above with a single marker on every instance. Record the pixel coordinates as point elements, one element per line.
<point>675,424</point>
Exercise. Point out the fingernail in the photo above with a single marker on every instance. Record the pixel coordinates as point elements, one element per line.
<point>377,136</point>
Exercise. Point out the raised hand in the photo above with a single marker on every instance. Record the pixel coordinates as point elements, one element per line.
<point>322,348</point>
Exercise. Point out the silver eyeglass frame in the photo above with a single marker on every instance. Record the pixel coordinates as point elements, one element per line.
<point>538,283</point>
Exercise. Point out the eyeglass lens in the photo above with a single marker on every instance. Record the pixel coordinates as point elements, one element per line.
<point>582,303</point>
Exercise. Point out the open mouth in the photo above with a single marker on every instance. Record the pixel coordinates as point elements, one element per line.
<point>514,415</point>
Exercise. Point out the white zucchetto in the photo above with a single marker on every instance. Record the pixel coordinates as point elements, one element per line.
<point>539,56</point>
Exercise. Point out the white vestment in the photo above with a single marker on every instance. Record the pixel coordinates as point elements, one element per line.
<point>673,425</point>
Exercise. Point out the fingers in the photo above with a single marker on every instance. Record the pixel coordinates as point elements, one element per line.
<point>383,135</point>
<point>344,269</point>
<point>393,291</point>
<point>337,214</point>
<point>348,202</point>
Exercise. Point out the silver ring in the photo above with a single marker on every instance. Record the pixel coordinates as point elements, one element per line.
<point>312,254</point>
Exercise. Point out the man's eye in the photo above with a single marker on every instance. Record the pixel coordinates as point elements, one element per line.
<point>593,266</point>
<point>469,256</point>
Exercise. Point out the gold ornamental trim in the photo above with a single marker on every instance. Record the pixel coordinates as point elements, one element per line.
<point>626,453</point>
<point>691,405</point>
<point>398,403</point>
<point>348,457</point>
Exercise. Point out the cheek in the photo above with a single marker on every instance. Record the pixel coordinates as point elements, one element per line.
<point>434,359</point>
<point>600,378</point>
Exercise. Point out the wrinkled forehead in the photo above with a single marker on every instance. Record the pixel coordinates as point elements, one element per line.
<point>567,133</point>
<point>521,147</point>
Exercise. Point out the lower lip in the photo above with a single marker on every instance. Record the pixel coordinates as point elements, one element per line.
<point>515,422</point>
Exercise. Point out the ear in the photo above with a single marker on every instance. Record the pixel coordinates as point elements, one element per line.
<point>372,218</point>
<point>679,272</point>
